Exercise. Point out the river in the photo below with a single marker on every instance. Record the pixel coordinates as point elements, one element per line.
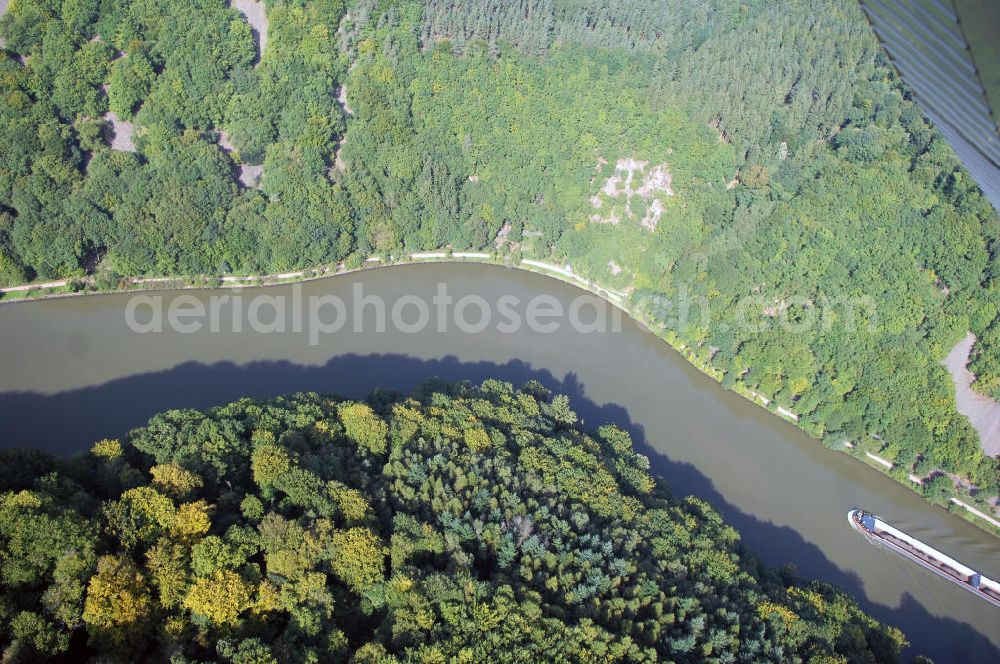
<point>73,371</point>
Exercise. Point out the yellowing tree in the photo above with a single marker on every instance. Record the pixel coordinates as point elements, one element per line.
<point>107,449</point>
<point>191,521</point>
<point>364,427</point>
<point>477,440</point>
<point>118,603</point>
<point>353,506</point>
<point>174,480</point>
<point>221,597</point>
<point>358,557</point>
<point>140,514</point>
<point>269,462</point>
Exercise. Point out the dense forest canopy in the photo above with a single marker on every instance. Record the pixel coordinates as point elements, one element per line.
<point>722,152</point>
<point>183,72</point>
<point>462,523</point>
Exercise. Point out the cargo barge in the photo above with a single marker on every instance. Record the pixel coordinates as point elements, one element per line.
<point>876,530</point>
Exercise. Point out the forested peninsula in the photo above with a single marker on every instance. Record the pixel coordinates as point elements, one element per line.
<point>718,152</point>
<point>459,523</point>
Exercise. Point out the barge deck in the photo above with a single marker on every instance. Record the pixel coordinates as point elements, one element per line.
<point>876,530</point>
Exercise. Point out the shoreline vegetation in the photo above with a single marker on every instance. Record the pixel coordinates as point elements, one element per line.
<point>954,501</point>
<point>456,522</point>
<point>88,286</point>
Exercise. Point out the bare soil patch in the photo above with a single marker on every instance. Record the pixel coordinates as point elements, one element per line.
<point>982,411</point>
<point>224,143</point>
<point>342,99</point>
<point>250,175</point>
<point>121,133</point>
<point>3,10</point>
<point>631,178</point>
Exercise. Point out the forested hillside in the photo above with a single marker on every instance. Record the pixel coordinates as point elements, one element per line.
<point>462,523</point>
<point>822,237</point>
<point>759,161</point>
<point>182,71</point>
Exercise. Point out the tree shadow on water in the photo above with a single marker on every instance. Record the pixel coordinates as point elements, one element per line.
<point>71,421</point>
